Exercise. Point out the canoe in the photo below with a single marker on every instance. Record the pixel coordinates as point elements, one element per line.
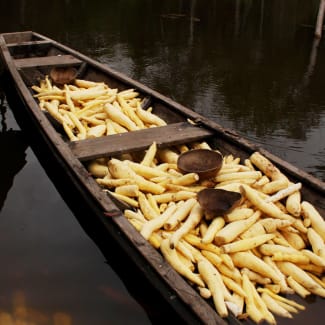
<point>28,57</point>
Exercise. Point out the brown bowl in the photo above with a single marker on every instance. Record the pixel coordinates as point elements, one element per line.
<point>63,75</point>
<point>218,202</point>
<point>206,163</point>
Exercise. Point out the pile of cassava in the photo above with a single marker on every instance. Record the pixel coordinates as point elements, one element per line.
<point>272,244</point>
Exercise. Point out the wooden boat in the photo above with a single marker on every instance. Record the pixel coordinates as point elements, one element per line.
<point>28,57</point>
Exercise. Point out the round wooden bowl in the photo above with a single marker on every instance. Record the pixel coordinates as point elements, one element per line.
<point>63,75</point>
<point>206,163</point>
<point>217,202</point>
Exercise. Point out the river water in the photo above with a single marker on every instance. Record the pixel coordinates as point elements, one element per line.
<point>250,65</point>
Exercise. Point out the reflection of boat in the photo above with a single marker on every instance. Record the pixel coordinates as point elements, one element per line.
<point>13,146</point>
<point>28,57</point>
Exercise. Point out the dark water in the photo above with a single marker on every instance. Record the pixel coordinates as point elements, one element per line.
<point>251,65</point>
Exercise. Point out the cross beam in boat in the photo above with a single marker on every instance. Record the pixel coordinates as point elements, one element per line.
<point>29,44</point>
<point>43,61</point>
<point>164,136</point>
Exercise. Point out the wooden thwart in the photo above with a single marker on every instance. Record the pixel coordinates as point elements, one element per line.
<point>29,43</point>
<point>164,136</point>
<point>55,60</point>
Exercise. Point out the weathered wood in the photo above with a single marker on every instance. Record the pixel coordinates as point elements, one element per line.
<point>165,136</point>
<point>56,60</point>
<point>29,43</point>
<point>320,19</point>
<point>18,37</point>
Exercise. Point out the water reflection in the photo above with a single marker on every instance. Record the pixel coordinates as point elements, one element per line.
<point>13,147</point>
<point>20,313</point>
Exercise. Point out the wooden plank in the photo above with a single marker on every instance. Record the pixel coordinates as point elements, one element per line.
<point>29,43</point>
<point>320,18</point>
<point>18,37</point>
<point>55,60</point>
<point>164,136</point>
